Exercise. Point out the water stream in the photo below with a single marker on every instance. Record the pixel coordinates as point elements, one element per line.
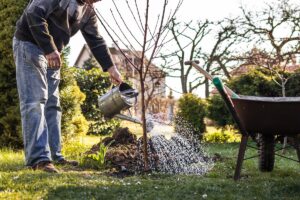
<point>176,153</point>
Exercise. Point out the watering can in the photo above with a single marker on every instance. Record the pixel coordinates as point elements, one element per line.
<point>121,97</point>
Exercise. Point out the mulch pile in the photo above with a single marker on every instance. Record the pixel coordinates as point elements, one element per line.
<point>125,151</point>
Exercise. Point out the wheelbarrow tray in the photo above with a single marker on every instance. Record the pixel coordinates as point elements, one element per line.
<point>268,115</point>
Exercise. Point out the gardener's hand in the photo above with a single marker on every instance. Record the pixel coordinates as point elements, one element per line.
<point>115,75</point>
<point>54,60</point>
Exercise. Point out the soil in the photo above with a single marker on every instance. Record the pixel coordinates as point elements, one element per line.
<point>124,153</point>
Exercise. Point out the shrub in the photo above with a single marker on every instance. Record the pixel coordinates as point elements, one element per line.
<point>73,122</point>
<point>95,83</point>
<point>218,112</point>
<point>292,86</point>
<point>222,136</point>
<point>257,82</point>
<point>191,109</point>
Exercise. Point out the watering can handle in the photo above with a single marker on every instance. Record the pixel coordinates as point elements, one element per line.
<point>131,93</point>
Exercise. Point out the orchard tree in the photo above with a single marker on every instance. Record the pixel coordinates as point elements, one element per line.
<point>275,32</point>
<point>213,43</point>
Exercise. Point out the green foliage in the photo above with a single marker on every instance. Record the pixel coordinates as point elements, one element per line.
<point>10,120</point>
<point>257,82</point>
<point>218,112</point>
<point>293,85</point>
<point>191,109</point>
<point>222,136</point>
<point>73,121</point>
<point>99,157</point>
<point>95,83</point>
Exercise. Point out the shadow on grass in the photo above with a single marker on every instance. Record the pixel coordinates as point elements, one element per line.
<point>182,187</point>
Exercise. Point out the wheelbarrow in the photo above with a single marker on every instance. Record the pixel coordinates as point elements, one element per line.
<point>261,118</point>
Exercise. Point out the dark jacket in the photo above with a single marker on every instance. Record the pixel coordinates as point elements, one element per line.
<point>50,24</point>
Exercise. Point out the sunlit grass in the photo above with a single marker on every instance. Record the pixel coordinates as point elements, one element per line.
<point>19,182</point>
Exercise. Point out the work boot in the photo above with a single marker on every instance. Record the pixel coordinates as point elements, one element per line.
<point>67,162</point>
<point>46,166</point>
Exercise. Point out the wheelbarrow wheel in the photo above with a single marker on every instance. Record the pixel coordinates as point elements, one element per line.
<point>266,152</point>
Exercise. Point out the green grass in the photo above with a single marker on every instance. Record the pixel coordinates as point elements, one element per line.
<point>17,182</point>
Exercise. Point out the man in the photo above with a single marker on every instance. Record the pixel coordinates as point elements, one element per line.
<point>41,33</point>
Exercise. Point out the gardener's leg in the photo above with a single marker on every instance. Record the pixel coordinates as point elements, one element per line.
<point>31,70</point>
<point>53,117</point>
<point>53,114</point>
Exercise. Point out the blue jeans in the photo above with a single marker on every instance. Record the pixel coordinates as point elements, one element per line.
<point>39,103</point>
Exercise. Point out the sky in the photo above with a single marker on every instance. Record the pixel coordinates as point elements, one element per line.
<point>190,10</point>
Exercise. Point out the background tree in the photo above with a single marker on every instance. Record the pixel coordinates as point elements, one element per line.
<point>187,39</point>
<point>211,43</point>
<point>10,125</point>
<point>275,33</point>
<point>221,58</point>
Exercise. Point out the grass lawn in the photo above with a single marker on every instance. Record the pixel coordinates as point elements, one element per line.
<point>17,182</point>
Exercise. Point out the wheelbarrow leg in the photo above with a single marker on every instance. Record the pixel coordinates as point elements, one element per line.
<point>284,144</point>
<point>240,158</point>
<point>297,147</point>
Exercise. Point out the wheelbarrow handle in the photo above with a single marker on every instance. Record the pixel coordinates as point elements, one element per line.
<point>200,69</point>
<point>209,77</point>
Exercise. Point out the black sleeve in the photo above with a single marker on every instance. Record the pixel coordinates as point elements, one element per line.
<point>96,42</point>
<point>37,13</point>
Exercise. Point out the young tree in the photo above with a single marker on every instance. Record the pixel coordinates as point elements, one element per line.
<point>147,38</point>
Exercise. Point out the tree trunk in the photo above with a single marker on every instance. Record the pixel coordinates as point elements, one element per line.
<point>145,142</point>
<point>184,84</point>
<point>206,88</point>
<point>283,89</point>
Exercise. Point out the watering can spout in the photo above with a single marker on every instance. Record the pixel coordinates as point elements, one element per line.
<point>127,118</point>
<point>149,124</point>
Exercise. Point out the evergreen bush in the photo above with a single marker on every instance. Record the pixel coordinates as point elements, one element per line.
<point>10,120</point>
<point>218,112</point>
<point>191,109</point>
<point>293,85</point>
<point>73,122</point>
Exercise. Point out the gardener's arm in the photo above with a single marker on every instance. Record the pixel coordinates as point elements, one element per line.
<point>37,13</point>
<point>99,48</point>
